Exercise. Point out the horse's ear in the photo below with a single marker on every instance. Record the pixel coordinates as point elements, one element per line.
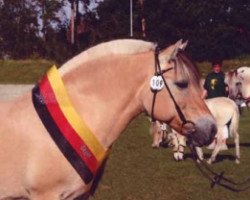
<point>177,46</point>
<point>184,45</point>
<point>171,52</point>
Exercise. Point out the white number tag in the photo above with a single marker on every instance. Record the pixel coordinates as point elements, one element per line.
<point>163,127</point>
<point>156,83</point>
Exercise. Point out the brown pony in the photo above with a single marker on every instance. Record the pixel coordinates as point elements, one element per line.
<point>108,86</point>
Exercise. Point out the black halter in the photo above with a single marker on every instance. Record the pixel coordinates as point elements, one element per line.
<point>160,72</point>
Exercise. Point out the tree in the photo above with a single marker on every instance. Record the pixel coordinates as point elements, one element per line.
<point>82,24</point>
<point>113,19</point>
<point>214,28</point>
<point>48,14</point>
<point>52,23</point>
<point>33,27</point>
<point>209,25</point>
<point>19,34</point>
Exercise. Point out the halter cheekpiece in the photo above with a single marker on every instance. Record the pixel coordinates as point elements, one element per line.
<point>158,76</point>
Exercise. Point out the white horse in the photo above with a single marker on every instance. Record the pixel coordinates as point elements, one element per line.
<point>163,135</point>
<point>159,131</point>
<point>226,114</point>
<point>238,81</point>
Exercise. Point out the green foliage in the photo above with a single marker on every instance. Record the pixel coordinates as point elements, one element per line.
<point>216,29</point>
<point>113,20</point>
<point>30,28</point>
<point>18,28</point>
<point>212,27</point>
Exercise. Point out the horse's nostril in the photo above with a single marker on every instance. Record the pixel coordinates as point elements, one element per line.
<point>205,130</point>
<point>188,128</point>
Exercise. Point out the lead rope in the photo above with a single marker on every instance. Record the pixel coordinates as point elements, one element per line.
<point>217,178</point>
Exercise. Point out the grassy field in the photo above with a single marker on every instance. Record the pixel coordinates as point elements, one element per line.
<point>29,71</point>
<point>135,171</point>
<point>22,71</point>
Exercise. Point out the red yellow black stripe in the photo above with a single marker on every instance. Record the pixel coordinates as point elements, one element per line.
<point>75,140</point>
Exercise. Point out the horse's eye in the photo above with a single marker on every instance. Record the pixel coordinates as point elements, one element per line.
<point>238,84</point>
<point>181,84</point>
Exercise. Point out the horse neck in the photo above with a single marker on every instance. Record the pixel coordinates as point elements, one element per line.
<point>107,95</point>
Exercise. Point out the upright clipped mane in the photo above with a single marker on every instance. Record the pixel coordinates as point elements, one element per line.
<point>122,46</point>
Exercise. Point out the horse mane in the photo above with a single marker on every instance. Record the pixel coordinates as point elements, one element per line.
<point>190,66</point>
<point>115,47</point>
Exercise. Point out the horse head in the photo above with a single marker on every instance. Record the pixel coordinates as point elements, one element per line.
<point>177,101</point>
<point>238,81</point>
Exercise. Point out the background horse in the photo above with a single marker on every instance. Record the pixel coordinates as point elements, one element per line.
<point>238,81</point>
<point>108,86</point>
<point>226,115</point>
<point>160,133</point>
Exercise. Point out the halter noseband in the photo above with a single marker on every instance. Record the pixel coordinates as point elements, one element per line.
<point>160,72</point>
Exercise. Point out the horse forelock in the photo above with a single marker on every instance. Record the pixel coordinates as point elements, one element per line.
<point>189,66</point>
<point>115,47</point>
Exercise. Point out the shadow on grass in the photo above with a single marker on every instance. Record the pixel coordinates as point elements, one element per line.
<point>219,158</point>
<point>245,144</point>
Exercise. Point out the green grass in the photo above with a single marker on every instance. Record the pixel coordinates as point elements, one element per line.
<point>29,71</point>
<point>22,71</point>
<point>135,171</point>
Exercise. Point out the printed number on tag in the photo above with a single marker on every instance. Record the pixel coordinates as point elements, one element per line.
<point>156,83</point>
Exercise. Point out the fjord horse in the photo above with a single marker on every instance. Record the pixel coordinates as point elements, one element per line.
<point>100,91</point>
<point>238,81</point>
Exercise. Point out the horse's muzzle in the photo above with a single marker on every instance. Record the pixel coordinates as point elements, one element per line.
<point>205,130</point>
